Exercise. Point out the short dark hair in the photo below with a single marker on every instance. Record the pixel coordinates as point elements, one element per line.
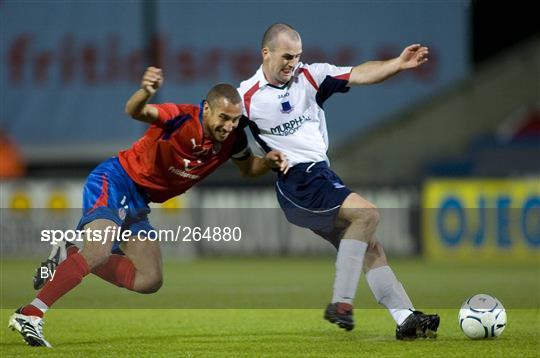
<point>273,31</point>
<point>223,90</point>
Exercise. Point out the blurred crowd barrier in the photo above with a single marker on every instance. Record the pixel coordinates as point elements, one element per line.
<point>28,207</point>
<point>456,219</point>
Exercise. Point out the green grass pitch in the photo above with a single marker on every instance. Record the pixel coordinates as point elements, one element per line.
<point>271,307</point>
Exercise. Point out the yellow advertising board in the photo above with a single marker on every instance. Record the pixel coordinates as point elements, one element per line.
<point>481,219</point>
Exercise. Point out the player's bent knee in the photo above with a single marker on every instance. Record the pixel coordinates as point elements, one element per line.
<point>151,287</point>
<point>373,215</point>
<point>155,286</point>
<point>368,216</point>
<point>150,284</point>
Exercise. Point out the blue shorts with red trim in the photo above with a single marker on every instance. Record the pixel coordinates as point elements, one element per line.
<point>109,193</point>
<point>311,195</point>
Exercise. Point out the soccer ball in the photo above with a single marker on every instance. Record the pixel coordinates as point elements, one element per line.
<point>482,316</point>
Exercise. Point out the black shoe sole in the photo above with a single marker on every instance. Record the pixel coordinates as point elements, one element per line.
<point>426,329</point>
<point>346,325</point>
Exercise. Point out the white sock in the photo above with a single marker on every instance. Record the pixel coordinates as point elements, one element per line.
<point>39,304</point>
<point>389,292</point>
<point>350,259</point>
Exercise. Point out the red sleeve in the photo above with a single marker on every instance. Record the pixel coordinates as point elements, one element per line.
<point>167,111</point>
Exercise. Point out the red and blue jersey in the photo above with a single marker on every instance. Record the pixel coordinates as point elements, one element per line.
<point>173,154</point>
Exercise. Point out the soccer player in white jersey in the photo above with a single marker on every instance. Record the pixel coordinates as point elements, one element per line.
<point>284,103</point>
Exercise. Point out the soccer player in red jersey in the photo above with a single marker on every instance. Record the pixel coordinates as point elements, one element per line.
<point>183,145</point>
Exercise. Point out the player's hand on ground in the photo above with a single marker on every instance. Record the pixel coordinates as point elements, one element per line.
<point>152,80</point>
<point>413,56</point>
<point>277,160</point>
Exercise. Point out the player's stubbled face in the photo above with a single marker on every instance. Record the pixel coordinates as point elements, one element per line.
<point>281,59</point>
<point>221,118</point>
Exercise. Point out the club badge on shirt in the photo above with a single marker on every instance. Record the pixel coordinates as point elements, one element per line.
<point>286,107</point>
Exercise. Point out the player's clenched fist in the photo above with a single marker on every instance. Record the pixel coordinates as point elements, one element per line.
<point>152,79</point>
<point>277,160</point>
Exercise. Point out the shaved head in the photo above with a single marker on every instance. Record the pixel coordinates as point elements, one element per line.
<point>272,33</point>
<point>281,50</point>
<point>223,90</point>
<point>221,112</point>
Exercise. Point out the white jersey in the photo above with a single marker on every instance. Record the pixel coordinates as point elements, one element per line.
<point>291,118</point>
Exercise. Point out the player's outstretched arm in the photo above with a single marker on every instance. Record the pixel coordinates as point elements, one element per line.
<point>136,105</point>
<point>377,71</point>
<point>254,166</point>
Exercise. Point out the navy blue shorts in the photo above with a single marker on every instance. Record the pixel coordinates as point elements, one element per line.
<point>311,195</point>
<point>109,193</point>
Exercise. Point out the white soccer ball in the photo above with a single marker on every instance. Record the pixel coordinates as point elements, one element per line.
<point>482,316</point>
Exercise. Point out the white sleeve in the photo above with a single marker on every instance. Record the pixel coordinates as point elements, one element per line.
<point>242,91</point>
<point>320,71</point>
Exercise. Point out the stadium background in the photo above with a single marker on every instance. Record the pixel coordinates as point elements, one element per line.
<point>449,152</point>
